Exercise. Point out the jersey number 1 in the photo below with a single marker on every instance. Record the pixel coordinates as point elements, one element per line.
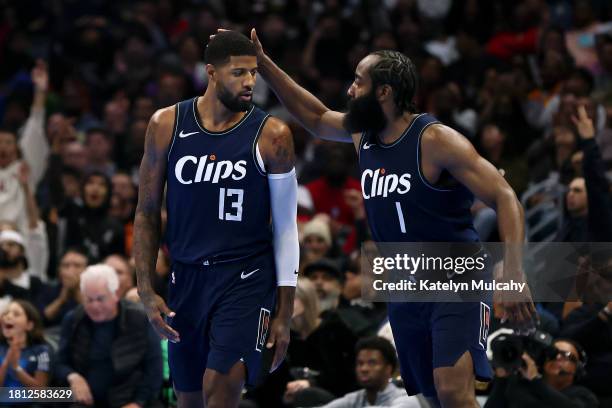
<point>235,205</point>
<point>400,215</point>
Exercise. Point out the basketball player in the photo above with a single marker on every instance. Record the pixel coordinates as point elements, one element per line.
<point>441,346</point>
<point>228,167</point>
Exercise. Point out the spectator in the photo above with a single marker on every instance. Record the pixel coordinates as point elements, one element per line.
<point>35,235</point>
<point>25,355</point>
<point>588,201</point>
<point>327,280</point>
<point>316,240</point>
<point>322,343</point>
<point>328,191</point>
<point>375,364</point>
<point>34,149</point>
<point>15,267</point>
<point>92,227</point>
<point>99,145</point>
<point>590,324</point>
<point>57,300</point>
<point>124,271</point>
<point>360,315</point>
<point>108,353</point>
<point>554,388</point>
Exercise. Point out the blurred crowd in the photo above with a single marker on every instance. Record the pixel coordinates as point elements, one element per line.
<point>79,81</point>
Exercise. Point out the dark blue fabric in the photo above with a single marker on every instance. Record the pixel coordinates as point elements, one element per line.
<point>223,312</point>
<point>218,200</point>
<point>394,187</point>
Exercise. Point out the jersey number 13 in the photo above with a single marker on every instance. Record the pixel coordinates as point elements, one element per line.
<point>234,197</point>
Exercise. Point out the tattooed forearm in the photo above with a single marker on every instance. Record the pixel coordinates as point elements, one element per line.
<point>147,223</point>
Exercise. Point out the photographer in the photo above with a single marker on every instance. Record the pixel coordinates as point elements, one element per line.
<point>554,387</point>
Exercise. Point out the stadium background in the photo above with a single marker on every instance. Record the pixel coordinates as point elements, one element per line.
<point>508,75</point>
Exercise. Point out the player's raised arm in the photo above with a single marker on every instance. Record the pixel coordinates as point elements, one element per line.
<point>276,147</point>
<point>304,106</point>
<point>147,223</point>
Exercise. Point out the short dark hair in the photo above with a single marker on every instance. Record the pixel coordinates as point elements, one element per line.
<point>228,44</point>
<point>381,344</point>
<point>396,70</point>
<point>98,129</point>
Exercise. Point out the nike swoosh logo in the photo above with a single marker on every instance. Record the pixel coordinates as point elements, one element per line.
<point>186,134</point>
<point>246,275</point>
<point>366,146</point>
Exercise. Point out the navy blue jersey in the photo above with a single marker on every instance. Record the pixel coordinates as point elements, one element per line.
<point>218,197</point>
<point>401,205</point>
<point>32,358</point>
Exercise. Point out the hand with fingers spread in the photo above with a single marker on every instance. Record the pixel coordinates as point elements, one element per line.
<point>156,308</point>
<point>279,337</point>
<point>584,124</point>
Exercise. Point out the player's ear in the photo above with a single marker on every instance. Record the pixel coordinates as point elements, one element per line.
<point>384,92</point>
<point>210,70</point>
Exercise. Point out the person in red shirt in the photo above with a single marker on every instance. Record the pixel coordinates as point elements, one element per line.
<point>328,191</point>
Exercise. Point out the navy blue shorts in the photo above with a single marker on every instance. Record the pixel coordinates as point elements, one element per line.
<point>433,335</point>
<point>223,313</point>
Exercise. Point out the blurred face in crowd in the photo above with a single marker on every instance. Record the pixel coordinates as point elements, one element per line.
<point>15,322</point>
<point>565,143</point>
<point>123,186</point>
<point>14,254</point>
<point>565,362</point>
<point>71,185</point>
<point>138,130</point>
<point>316,246</point>
<point>71,266</point>
<point>364,111</point>
<point>190,51</point>
<point>99,147</point>
<point>124,273</point>
<point>171,89</point>
<point>8,148</point>
<point>492,140</point>
<point>115,116</point>
<point>234,81</point>
<point>352,285</point>
<point>372,370</point>
<point>75,155</point>
<point>576,198</point>
<point>95,191</point>
<point>552,68</point>
<point>143,108</point>
<point>328,288</point>
<point>100,304</point>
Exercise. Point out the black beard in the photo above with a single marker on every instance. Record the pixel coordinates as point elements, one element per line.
<point>231,102</point>
<point>364,114</point>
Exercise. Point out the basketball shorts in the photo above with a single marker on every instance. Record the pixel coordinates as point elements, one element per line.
<point>223,314</point>
<point>432,335</point>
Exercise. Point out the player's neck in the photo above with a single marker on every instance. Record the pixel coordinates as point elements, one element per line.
<point>214,114</point>
<point>395,127</point>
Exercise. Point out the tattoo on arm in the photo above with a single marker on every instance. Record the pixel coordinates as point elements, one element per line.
<point>147,223</point>
<point>277,147</point>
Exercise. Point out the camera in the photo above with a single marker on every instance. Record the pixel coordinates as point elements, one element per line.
<point>508,349</point>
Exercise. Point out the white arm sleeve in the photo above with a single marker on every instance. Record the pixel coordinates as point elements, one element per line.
<point>283,199</point>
